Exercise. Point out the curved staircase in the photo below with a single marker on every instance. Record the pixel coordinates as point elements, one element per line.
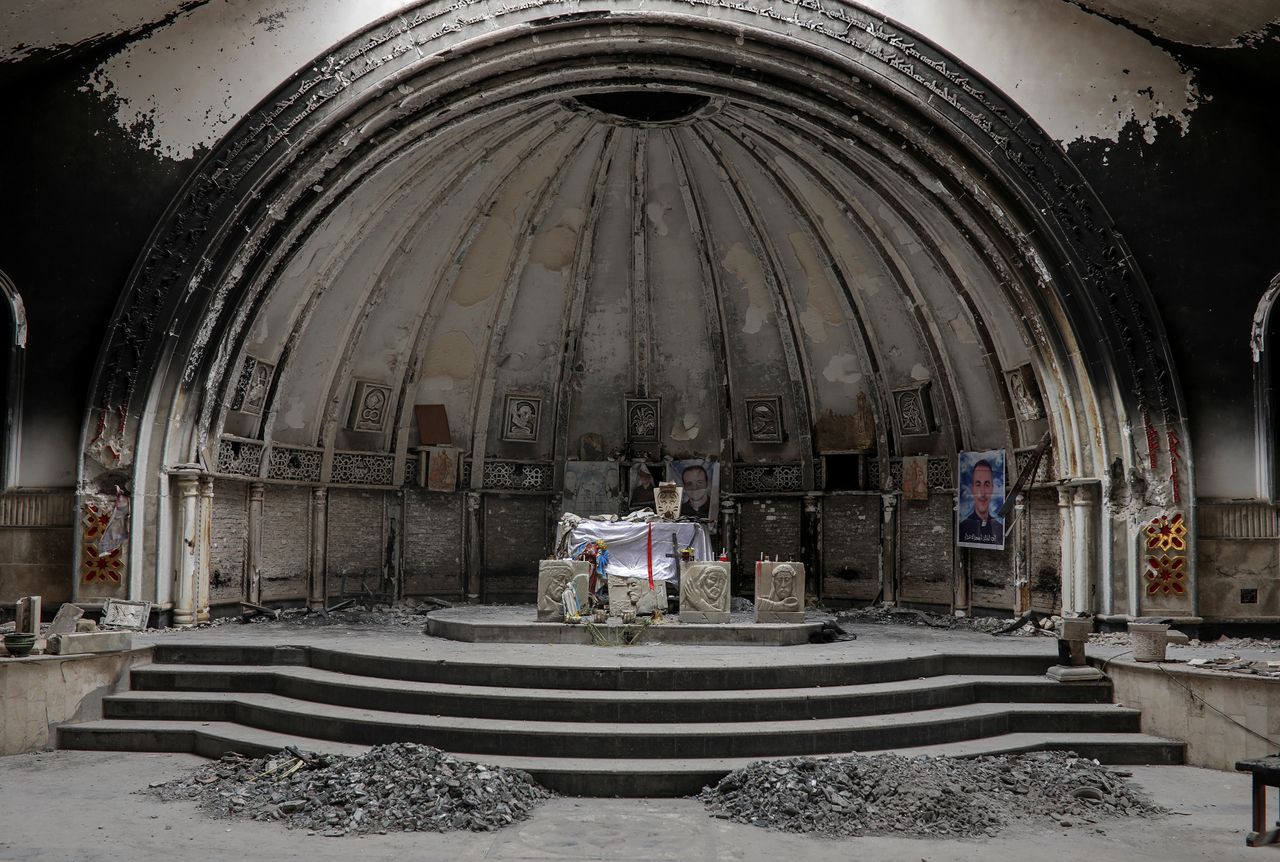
<point>609,731</point>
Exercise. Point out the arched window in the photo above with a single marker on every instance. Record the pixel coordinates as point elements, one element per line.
<point>1263,343</point>
<point>13,344</point>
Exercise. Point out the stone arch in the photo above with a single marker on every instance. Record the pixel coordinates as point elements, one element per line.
<point>843,75</point>
<point>12,362</point>
<point>1262,345</point>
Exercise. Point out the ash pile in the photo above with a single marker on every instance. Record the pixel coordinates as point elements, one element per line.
<point>402,787</point>
<point>887,613</point>
<point>942,797</point>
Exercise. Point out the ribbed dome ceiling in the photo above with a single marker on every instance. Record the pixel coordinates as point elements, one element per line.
<point>677,246</point>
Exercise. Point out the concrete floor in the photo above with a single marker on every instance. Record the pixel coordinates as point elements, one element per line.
<point>83,807</point>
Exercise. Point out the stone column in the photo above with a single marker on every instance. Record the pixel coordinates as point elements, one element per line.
<point>1081,520</point>
<point>811,539</point>
<point>1021,558</point>
<point>317,592</point>
<point>889,548</point>
<point>186,555</point>
<point>253,589</point>
<point>474,542</point>
<point>1066,572</point>
<point>205,532</point>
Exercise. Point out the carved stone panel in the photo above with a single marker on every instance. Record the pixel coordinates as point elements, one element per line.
<point>633,594</point>
<point>764,420</point>
<point>644,420</point>
<point>666,500</point>
<point>780,592</point>
<point>250,394</point>
<point>915,409</point>
<point>1026,393</point>
<point>520,417</point>
<point>553,577</point>
<point>369,406</point>
<point>704,592</point>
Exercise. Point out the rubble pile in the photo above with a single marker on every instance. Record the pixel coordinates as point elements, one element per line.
<point>887,613</point>
<point>401,787</point>
<point>888,794</point>
<point>1233,663</point>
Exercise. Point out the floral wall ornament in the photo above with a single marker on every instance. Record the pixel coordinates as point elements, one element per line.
<point>96,567</point>
<point>1167,534</point>
<point>1166,575</point>
<point>644,420</point>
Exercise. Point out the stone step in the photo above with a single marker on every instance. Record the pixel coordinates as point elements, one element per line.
<point>476,701</point>
<point>624,740</point>
<point>593,776</point>
<point>604,675</point>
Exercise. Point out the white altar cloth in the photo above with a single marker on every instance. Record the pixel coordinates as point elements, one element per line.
<point>628,545</point>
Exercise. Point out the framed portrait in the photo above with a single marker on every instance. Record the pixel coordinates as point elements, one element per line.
<point>520,417</point>
<point>979,497</point>
<point>644,420</point>
<point>701,482</point>
<point>764,419</point>
<point>915,478</point>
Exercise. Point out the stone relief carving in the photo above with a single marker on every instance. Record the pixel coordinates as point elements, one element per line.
<point>644,420</point>
<point>764,419</point>
<point>780,593</point>
<point>553,577</point>
<point>632,595</point>
<point>521,416</point>
<point>369,406</point>
<point>1026,393</point>
<point>704,592</point>
<point>666,499</point>
<point>915,409</point>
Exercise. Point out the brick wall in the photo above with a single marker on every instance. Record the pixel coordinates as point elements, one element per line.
<point>286,544</point>
<point>768,525</point>
<point>228,541</point>
<point>433,544</point>
<point>356,523</point>
<point>515,538</point>
<point>1045,556</point>
<point>851,552</point>
<point>991,576</point>
<point>926,548</point>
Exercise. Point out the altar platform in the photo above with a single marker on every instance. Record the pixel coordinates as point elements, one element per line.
<point>517,624</point>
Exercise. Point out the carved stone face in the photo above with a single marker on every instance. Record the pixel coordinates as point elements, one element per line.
<point>784,581</point>
<point>557,581</point>
<point>715,580</point>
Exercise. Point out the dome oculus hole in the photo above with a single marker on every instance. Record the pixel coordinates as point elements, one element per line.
<point>645,106</point>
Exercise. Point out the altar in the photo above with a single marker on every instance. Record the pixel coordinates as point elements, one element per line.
<point>638,549</point>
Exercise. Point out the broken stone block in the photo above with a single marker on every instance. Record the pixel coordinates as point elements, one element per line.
<point>780,592</point>
<point>627,594</point>
<point>65,621</point>
<point>704,592</point>
<point>28,616</point>
<point>76,643</point>
<point>553,577</point>
<point>124,614</point>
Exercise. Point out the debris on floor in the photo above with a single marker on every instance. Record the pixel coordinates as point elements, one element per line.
<point>887,613</point>
<point>935,797</point>
<point>402,787</point>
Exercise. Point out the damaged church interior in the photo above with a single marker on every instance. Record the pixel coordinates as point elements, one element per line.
<point>568,327</point>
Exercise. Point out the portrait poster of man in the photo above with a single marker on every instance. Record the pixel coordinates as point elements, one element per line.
<point>643,479</point>
<point>701,482</point>
<point>981,494</point>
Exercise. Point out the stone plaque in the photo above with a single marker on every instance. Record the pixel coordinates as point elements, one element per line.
<point>633,594</point>
<point>704,592</point>
<point>369,405</point>
<point>780,592</point>
<point>644,420</point>
<point>65,620</point>
<point>27,621</point>
<point>764,419</point>
<point>122,614</point>
<point>666,500</point>
<point>553,577</point>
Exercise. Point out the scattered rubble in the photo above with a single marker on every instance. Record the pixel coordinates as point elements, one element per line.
<point>887,613</point>
<point>402,787</point>
<point>1233,663</point>
<point>888,794</point>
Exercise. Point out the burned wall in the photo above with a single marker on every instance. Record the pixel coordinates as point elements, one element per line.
<point>432,559</point>
<point>851,547</point>
<point>228,542</point>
